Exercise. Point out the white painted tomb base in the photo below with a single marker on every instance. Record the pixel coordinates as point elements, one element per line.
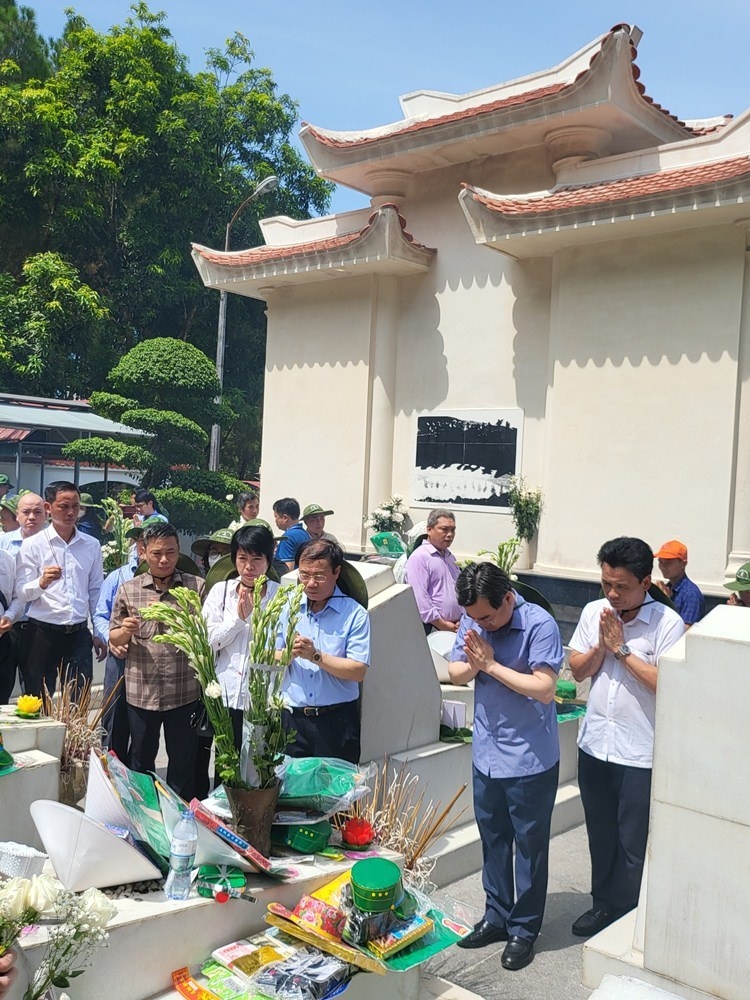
<point>626,988</point>
<point>38,743</point>
<point>689,934</point>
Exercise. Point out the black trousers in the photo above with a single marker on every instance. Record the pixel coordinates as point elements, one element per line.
<point>8,665</point>
<point>333,734</point>
<point>115,719</point>
<point>180,739</point>
<point>49,651</point>
<point>616,802</point>
<point>515,811</point>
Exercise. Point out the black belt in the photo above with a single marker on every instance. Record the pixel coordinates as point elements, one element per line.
<point>315,710</point>
<point>66,629</point>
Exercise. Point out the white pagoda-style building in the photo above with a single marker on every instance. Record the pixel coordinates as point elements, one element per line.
<point>602,350</point>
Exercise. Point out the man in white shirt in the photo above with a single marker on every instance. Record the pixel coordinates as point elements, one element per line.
<point>8,659</point>
<point>617,643</point>
<point>13,621</point>
<point>60,574</point>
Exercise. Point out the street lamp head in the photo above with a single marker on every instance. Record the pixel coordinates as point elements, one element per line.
<point>267,184</point>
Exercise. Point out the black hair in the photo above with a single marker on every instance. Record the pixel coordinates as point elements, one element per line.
<point>479,580</point>
<point>255,539</point>
<point>59,486</point>
<point>146,496</point>
<point>632,554</point>
<point>288,506</point>
<point>162,529</point>
<point>321,550</point>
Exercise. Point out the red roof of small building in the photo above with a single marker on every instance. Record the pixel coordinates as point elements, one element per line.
<point>260,255</point>
<point>624,189</point>
<point>528,97</point>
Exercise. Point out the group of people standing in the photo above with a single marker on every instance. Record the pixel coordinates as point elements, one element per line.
<point>52,584</point>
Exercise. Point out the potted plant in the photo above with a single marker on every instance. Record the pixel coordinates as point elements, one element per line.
<point>526,508</point>
<point>248,774</point>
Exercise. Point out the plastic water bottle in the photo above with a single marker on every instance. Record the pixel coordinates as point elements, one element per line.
<point>181,857</point>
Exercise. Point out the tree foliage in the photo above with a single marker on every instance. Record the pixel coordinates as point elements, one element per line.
<point>157,375</point>
<point>22,49</point>
<point>118,160</point>
<point>51,329</point>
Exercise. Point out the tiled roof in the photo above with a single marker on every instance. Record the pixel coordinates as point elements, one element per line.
<point>528,97</point>
<point>261,255</point>
<point>625,189</point>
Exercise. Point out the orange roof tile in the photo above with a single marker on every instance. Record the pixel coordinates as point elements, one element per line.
<point>624,189</point>
<point>528,97</point>
<point>260,255</point>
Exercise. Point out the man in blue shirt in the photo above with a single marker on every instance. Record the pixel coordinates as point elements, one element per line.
<point>331,655</point>
<point>286,516</point>
<point>686,597</point>
<point>513,652</point>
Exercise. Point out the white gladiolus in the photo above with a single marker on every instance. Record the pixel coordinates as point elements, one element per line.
<point>213,689</point>
<point>230,496</point>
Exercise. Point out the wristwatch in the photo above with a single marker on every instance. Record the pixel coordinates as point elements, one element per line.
<point>623,651</point>
<point>317,656</point>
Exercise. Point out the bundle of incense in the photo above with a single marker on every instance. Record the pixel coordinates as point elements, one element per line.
<point>206,818</point>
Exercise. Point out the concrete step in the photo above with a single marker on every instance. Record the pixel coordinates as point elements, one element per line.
<point>37,778</point>
<point>442,768</point>
<point>434,988</point>
<point>30,734</point>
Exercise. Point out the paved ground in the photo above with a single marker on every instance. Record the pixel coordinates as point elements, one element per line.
<point>555,972</point>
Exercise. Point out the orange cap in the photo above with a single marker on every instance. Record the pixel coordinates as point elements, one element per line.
<point>672,550</point>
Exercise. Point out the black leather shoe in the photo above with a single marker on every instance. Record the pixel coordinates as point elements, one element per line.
<point>518,953</point>
<point>484,933</point>
<point>593,921</point>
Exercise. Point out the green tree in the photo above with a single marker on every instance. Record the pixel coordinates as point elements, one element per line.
<point>56,336</point>
<point>121,158</point>
<point>21,44</point>
<point>170,388</point>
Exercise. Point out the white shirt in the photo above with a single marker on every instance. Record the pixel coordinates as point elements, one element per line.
<point>7,585</point>
<point>619,721</point>
<point>230,636</point>
<point>11,540</point>
<point>73,597</point>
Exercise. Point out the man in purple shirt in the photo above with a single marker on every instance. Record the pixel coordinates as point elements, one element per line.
<point>513,652</point>
<point>432,571</point>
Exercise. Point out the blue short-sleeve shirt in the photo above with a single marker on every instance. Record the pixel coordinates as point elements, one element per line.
<point>341,628</point>
<point>514,735</point>
<point>290,541</point>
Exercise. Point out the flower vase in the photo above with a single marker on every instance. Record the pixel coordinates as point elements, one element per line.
<point>253,811</point>
<point>526,555</point>
<point>73,781</point>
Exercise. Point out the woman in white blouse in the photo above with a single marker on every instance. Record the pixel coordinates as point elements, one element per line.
<point>227,611</point>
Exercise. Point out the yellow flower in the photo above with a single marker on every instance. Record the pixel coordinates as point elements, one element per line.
<point>29,704</point>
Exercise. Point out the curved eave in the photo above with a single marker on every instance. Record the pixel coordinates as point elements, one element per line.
<point>542,233</point>
<point>381,247</point>
<point>606,94</point>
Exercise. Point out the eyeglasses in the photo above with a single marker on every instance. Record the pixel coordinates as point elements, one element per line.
<point>316,577</point>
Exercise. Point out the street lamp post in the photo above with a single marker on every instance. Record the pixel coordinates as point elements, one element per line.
<point>266,185</point>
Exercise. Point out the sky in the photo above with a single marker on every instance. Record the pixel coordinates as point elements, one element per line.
<point>346,64</point>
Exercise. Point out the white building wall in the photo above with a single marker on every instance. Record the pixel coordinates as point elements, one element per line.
<point>622,355</point>
<point>644,342</point>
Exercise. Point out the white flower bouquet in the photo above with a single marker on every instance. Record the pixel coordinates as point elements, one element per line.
<point>78,927</point>
<point>390,515</point>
